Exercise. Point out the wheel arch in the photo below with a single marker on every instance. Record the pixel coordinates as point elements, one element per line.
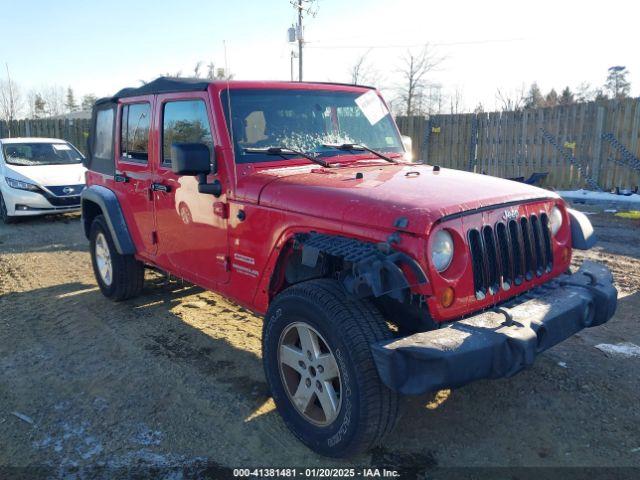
<point>98,200</point>
<point>365,268</point>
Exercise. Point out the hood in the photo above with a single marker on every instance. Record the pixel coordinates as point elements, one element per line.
<point>48,175</point>
<point>379,195</point>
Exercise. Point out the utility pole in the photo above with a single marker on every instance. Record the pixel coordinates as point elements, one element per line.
<point>296,33</point>
<point>300,40</point>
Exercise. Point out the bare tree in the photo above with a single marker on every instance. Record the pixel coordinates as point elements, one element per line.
<point>211,71</point>
<point>456,101</point>
<point>511,101</point>
<point>10,98</point>
<point>362,72</point>
<point>414,71</point>
<point>196,69</point>
<point>585,93</point>
<point>53,97</point>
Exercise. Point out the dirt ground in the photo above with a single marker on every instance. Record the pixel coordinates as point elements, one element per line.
<point>174,379</point>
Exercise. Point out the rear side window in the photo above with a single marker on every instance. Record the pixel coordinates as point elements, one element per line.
<point>103,141</point>
<point>184,122</point>
<point>102,137</point>
<point>134,132</point>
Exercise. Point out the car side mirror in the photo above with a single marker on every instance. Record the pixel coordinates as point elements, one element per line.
<point>190,159</point>
<point>195,159</point>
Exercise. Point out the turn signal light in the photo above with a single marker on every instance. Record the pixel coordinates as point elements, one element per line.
<point>566,254</point>
<point>447,297</point>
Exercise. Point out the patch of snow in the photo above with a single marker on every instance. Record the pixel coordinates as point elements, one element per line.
<point>562,364</point>
<point>591,197</point>
<point>625,349</point>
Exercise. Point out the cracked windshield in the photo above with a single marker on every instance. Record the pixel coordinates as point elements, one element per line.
<point>305,120</point>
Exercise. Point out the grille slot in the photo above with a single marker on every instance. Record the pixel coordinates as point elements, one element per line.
<point>517,250</point>
<point>491,258</point>
<point>546,234</point>
<point>506,260</point>
<point>477,257</point>
<point>510,253</point>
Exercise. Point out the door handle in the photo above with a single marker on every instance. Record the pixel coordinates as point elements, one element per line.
<point>159,187</point>
<point>120,178</point>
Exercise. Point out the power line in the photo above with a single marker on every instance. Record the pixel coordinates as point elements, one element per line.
<point>438,44</point>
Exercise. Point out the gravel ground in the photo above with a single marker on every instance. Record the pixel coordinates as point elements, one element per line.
<point>174,379</point>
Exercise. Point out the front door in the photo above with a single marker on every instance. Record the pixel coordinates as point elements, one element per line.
<point>134,171</point>
<point>192,238</point>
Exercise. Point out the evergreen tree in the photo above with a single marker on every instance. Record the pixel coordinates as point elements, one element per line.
<point>534,98</point>
<point>551,100</point>
<point>87,101</point>
<point>566,97</point>
<point>70,102</point>
<point>617,84</point>
<point>39,106</point>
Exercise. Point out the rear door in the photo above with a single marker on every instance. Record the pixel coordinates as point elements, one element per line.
<point>134,170</point>
<point>192,237</point>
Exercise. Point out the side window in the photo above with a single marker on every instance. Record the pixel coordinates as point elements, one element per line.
<point>184,122</point>
<point>134,132</point>
<point>103,141</point>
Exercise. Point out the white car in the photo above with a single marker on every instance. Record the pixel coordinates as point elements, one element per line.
<point>39,176</point>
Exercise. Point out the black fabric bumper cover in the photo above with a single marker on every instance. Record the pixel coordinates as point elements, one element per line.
<point>501,342</point>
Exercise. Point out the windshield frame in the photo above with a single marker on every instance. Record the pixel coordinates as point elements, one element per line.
<point>6,158</point>
<point>242,158</point>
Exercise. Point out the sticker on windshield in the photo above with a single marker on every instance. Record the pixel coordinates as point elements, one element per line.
<point>372,107</point>
<point>61,146</point>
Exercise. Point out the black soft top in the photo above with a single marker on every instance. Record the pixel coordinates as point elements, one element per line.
<point>160,85</point>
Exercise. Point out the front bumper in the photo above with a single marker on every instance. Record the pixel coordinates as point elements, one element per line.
<point>25,203</point>
<point>501,342</point>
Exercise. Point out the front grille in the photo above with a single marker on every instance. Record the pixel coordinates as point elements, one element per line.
<point>70,201</point>
<point>510,253</point>
<point>72,190</point>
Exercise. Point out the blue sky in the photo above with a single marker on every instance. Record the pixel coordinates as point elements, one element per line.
<point>101,46</point>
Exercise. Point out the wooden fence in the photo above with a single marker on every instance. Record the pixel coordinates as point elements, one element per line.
<point>588,144</point>
<point>75,131</point>
<point>592,145</point>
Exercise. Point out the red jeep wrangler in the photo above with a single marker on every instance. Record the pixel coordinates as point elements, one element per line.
<point>376,277</point>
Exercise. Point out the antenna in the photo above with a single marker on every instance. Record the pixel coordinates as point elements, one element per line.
<point>233,143</point>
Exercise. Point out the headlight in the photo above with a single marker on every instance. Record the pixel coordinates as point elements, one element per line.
<point>20,185</point>
<point>442,250</point>
<point>555,220</point>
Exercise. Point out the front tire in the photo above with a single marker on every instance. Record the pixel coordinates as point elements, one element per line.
<point>119,276</point>
<point>4,214</point>
<point>318,364</point>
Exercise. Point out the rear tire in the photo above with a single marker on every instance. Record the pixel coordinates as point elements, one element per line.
<point>343,327</point>
<point>119,276</point>
<point>4,215</point>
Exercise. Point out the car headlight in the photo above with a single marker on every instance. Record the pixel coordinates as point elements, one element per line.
<point>20,185</point>
<point>442,250</point>
<point>555,220</point>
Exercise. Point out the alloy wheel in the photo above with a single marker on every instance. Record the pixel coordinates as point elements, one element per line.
<point>310,373</point>
<point>103,259</point>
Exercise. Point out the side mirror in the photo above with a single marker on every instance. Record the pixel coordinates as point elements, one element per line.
<point>190,159</point>
<point>195,159</point>
<point>408,147</point>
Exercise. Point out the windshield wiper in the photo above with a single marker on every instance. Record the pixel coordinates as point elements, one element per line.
<point>353,147</point>
<point>284,151</point>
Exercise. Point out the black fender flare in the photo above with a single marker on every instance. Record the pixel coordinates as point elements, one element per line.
<point>582,234</point>
<point>112,212</point>
<point>375,268</point>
